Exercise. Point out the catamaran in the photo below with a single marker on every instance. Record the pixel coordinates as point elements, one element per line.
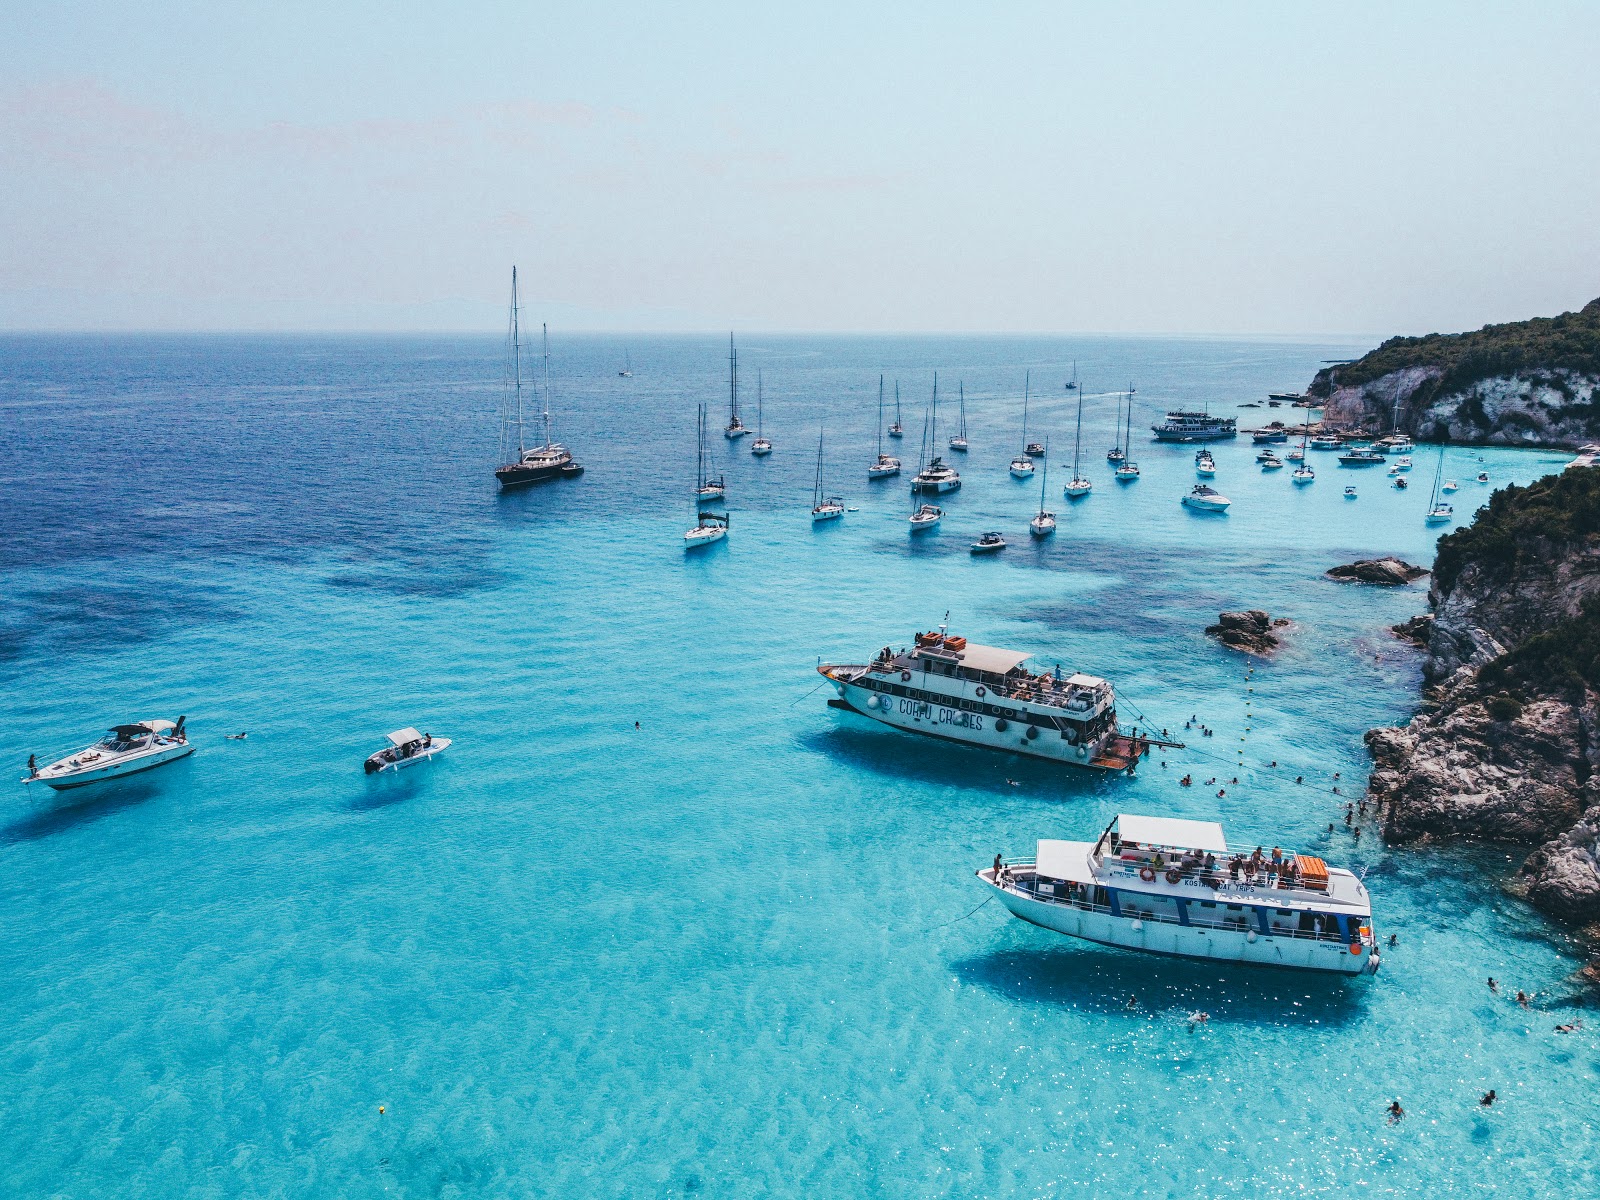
<point>1170,886</point>
<point>884,465</point>
<point>735,428</point>
<point>983,696</point>
<point>761,446</point>
<point>706,488</point>
<point>937,477</point>
<point>124,750</point>
<point>532,463</point>
<point>823,508</point>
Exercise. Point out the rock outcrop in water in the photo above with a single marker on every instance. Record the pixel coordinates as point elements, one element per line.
<point>1389,572</point>
<point>1510,747</point>
<point>1527,383</point>
<point>1250,631</point>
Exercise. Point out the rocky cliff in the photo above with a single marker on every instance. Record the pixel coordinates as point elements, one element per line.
<point>1509,747</point>
<point>1528,383</point>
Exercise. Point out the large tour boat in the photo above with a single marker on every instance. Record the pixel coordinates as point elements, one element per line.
<point>949,688</point>
<point>1170,886</point>
<point>1195,427</point>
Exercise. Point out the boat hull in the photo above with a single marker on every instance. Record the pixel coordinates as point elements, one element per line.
<point>934,487</point>
<point>514,475</point>
<point>116,770</point>
<point>882,472</point>
<point>703,537</point>
<point>1180,941</point>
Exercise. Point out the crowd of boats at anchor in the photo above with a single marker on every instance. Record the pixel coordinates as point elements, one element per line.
<point>138,746</point>
<point>1156,884</point>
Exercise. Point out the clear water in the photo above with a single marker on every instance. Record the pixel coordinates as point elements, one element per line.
<point>727,954</point>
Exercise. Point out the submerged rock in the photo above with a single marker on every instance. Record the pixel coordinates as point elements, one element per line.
<point>1390,572</point>
<point>1250,631</point>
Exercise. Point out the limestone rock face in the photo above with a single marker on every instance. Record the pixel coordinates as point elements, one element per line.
<point>1250,631</point>
<point>1535,408</point>
<point>1389,572</point>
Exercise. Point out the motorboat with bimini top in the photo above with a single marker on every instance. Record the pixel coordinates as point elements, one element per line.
<point>735,428</point>
<point>884,465</point>
<point>1269,461</point>
<point>406,748</point>
<point>532,464</point>
<point>1349,491</point>
<point>1303,475</point>
<point>1170,886</point>
<point>1206,499</point>
<point>124,750</point>
<point>1362,458</point>
<point>989,543</point>
<point>1274,434</point>
<point>984,696</point>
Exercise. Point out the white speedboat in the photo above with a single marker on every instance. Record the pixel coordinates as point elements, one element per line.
<point>989,543</point>
<point>1206,499</point>
<point>1021,467</point>
<point>926,517</point>
<point>711,527</point>
<point>1403,463</point>
<point>1204,465</point>
<point>406,748</point>
<point>1303,475</point>
<point>1169,886</point>
<point>1449,485</point>
<point>1350,491</point>
<point>125,750</point>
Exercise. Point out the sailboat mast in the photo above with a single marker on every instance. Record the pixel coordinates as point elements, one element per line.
<point>733,382</point>
<point>759,405</point>
<point>1044,477</point>
<point>1077,438</point>
<point>545,334</point>
<point>933,437</point>
<point>816,488</point>
<point>516,360</point>
<point>897,402</point>
<point>1027,377</point>
<point>880,416</point>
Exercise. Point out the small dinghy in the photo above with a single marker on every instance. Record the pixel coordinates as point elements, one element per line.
<point>989,543</point>
<point>406,746</point>
<point>1483,477</point>
<point>124,750</point>
<point>1350,491</point>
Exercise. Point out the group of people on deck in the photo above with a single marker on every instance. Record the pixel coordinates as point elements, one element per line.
<point>1273,870</point>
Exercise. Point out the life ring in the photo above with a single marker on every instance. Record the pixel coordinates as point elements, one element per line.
<point>905,676</point>
<point>1173,874</point>
<point>1355,947</point>
<point>981,692</point>
<point>1148,874</point>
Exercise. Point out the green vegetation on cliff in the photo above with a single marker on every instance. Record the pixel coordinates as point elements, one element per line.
<point>1570,341</point>
<point>1521,521</point>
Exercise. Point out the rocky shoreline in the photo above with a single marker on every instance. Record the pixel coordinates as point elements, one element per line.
<point>1508,747</point>
<point>1252,631</point>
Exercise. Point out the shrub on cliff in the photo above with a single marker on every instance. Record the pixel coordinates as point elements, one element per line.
<point>1565,658</point>
<point>1559,508</point>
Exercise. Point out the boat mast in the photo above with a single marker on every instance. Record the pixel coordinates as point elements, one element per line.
<point>733,383</point>
<point>1438,476</point>
<point>1026,378</point>
<point>933,436</point>
<point>962,432</point>
<point>1044,477</point>
<point>546,336</point>
<point>880,416</point>
<point>1077,437</point>
<point>1127,441</point>
<point>758,404</point>
<point>897,402</point>
<point>700,451</point>
<point>516,361</point>
<point>816,488</point>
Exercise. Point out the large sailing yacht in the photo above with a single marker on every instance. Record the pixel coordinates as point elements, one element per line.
<point>1127,470</point>
<point>735,427</point>
<point>884,465</point>
<point>937,477</point>
<point>1078,486</point>
<point>706,487</point>
<point>947,687</point>
<point>532,463</point>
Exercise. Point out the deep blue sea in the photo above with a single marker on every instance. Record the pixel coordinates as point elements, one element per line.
<point>727,954</point>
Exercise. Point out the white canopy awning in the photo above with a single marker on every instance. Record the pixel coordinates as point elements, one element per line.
<point>1173,832</point>
<point>1063,860</point>
<point>990,658</point>
<point>158,726</point>
<point>401,736</point>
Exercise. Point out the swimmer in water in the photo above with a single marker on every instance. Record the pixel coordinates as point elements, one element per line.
<point>238,737</point>
<point>1522,998</point>
<point>1572,1028</point>
<point>1488,1098</point>
<point>1494,984</point>
<point>1013,783</point>
<point>1395,1112</point>
<point>1394,939</point>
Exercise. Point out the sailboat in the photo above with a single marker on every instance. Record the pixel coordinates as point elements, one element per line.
<point>1077,487</point>
<point>1115,454</point>
<point>897,430</point>
<point>533,463</point>
<point>627,366</point>
<point>735,427</point>
<point>1044,521</point>
<point>709,526</point>
<point>1128,470</point>
<point>885,464</point>
<point>1022,465</point>
<point>761,446</point>
<point>924,516</point>
<point>1303,474</point>
<point>959,442</point>
<point>705,487</point>
<point>823,508</point>
<point>1439,512</point>
<point>936,477</point>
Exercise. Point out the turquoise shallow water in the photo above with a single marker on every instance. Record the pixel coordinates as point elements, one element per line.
<point>722,955</point>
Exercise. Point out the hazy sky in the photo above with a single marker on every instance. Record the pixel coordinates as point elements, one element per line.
<point>1204,167</point>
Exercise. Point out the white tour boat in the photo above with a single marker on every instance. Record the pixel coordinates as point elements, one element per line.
<point>124,750</point>
<point>884,465</point>
<point>1169,886</point>
<point>406,747</point>
<point>1206,499</point>
<point>984,696</point>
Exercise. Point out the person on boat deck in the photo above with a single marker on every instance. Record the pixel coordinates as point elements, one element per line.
<point>1211,862</point>
<point>1233,868</point>
<point>1277,861</point>
<point>33,766</point>
<point>427,741</point>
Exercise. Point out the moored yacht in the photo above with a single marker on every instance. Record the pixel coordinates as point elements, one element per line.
<point>125,750</point>
<point>1361,458</point>
<point>884,465</point>
<point>709,527</point>
<point>984,696</point>
<point>823,506</point>
<point>1327,441</point>
<point>1204,465</point>
<point>1022,463</point>
<point>1272,435</point>
<point>925,516</point>
<point>735,428</point>
<point>1044,522</point>
<point>989,543</point>
<point>706,487</point>
<point>1170,886</point>
<point>1206,499</point>
<point>1350,491</point>
<point>937,476</point>
<point>959,441</point>
<point>532,464</point>
<point>1303,475</point>
<point>762,446</point>
<point>897,429</point>
<point>406,748</point>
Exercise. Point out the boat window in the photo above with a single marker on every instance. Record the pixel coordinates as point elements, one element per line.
<point>1235,908</point>
<point>1208,904</point>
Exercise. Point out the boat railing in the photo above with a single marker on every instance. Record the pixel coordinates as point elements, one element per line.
<point>1020,879</point>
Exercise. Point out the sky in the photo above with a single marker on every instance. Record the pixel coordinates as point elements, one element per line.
<point>1267,168</point>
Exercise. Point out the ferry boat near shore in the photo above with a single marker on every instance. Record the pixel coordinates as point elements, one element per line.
<point>949,688</point>
<point>1170,886</point>
<point>1195,427</point>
